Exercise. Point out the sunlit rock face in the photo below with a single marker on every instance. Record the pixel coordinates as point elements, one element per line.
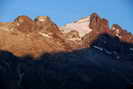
<point>42,18</point>
<point>32,37</point>
<point>41,35</point>
<point>121,33</point>
<point>25,24</point>
<point>46,26</point>
<point>98,26</point>
<point>73,38</point>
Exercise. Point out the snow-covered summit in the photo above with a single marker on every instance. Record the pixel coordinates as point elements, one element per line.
<point>82,26</point>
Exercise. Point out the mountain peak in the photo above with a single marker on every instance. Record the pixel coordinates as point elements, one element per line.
<point>98,24</point>
<point>23,19</point>
<point>24,24</point>
<point>42,18</point>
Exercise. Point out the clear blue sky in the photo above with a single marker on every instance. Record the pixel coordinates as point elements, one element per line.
<point>64,11</point>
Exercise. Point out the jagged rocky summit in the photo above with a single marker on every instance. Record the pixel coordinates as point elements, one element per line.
<point>25,36</point>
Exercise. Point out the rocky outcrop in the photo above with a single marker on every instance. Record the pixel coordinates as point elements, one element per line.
<point>73,39</point>
<point>25,24</point>
<point>98,26</point>
<point>121,33</point>
<point>44,24</point>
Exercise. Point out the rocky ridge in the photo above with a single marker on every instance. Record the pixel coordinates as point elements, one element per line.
<point>84,54</point>
<point>25,36</point>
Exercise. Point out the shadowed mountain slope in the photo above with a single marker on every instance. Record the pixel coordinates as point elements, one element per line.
<point>88,68</point>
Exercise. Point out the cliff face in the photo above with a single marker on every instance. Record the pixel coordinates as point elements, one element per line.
<point>121,33</point>
<point>26,36</point>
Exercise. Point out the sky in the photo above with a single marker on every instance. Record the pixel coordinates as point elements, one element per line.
<point>65,11</point>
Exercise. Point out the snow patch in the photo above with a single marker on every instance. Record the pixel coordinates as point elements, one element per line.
<point>99,48</point>
<point>44,35</point>
<point>85,19</point>
<point>131,49</point>
<point>108,52</point>
<point>82,26</point>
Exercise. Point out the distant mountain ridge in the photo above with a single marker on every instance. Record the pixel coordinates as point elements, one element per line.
<point>25,36</point>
